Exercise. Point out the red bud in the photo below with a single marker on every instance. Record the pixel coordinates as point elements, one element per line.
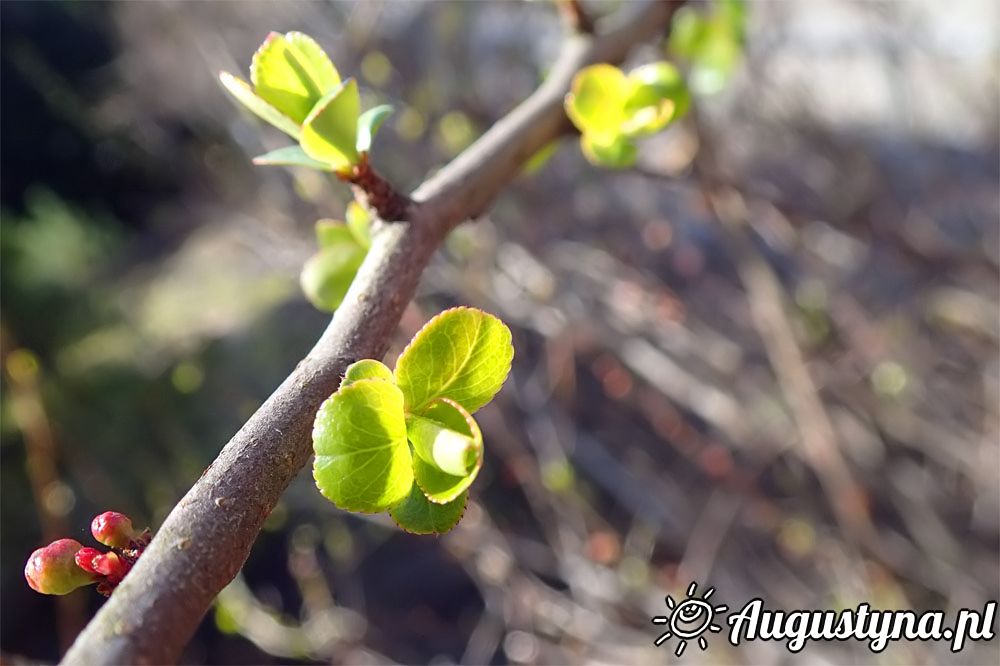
<point>113,529</point>
<point>53,569</point>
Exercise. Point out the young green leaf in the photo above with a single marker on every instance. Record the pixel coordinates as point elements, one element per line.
<point>449,448</point>
<point>368,124</point>
<point>292,73</point>
<point>447,437</point>
<point>333,232</point>
<point>328,274</point>
<point>290,156</point>
<point>596,102</point>
<point>463,354</point>
<point>366,369</point>
<point>245,95</point>
<point>417,515</point>
<point>363,461</point>
<point>359,223</point>
<point>329,132</point>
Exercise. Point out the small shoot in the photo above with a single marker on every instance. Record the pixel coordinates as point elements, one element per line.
<point>405,440</point>
<point>296,88</point>
<point>612,109</point>
<point>328,274</point>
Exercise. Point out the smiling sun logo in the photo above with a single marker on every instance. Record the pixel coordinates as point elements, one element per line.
<point>689,619</point>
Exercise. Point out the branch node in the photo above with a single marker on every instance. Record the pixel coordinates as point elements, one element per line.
<point>376,192</point>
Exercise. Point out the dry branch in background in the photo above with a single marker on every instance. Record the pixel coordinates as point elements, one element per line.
<point>207,537</point>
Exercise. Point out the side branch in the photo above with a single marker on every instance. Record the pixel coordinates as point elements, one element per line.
<point>207,537</point>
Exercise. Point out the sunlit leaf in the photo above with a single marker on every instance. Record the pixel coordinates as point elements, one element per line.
<point>363,461</point>
<point>290,156</point>
<point>619,153</point>
<point>596,102</point>
<point>245,95</point>
<point>463,354</point>
<point>366,369</point>
<point>359,222</point>
<point>368,124</point>
<point>328,274</point>
<point>292,73</point>
<point>329,133</point>
<point>418,515</point>
<point>449,450</point>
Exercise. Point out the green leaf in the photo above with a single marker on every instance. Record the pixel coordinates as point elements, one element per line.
<point>328,274</point>
<point>619,153</point>
<point>463,354</point>
<point>417,515</point>
<point>368,124</point>
<point>330,233</point>
<point>449,448</point>
<point>290,156</point>
<point>363,461</point>
<point>329,133</point>
<point>291,72</point>
<point>245,95</point>
<point>359,223</point>
<point>596,102</point>
<point>660,97</point>
<point>366,369</point>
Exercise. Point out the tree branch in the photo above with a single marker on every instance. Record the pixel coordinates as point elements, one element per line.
<point>207,537</point>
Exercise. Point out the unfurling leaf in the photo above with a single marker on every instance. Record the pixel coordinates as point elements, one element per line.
<point>463,354</point>
<point>292,73</point>
<point>368,124</point>
<point>417,515</point>
<point>329,132</point>
<point>363,461</point>
<point>449,450</point>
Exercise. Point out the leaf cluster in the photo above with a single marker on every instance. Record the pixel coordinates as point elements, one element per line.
<point>295,87</point>
<point>328,274</point>
<point>611,109</point>
<point>404,440</point>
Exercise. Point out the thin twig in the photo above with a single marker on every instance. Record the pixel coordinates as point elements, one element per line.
<point>207,537</point>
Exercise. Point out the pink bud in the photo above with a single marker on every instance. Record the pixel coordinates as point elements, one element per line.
<point>53,569</point>
<point>113,529</point>
<point>85,559</point>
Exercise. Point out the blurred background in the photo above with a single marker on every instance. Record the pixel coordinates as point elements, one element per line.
<point>802,406</point>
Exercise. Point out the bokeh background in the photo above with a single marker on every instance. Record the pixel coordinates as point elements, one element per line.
<point>652,432</point>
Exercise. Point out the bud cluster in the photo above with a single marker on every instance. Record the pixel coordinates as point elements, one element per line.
<point>65,564</point>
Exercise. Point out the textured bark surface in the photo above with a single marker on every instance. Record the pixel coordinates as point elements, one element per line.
<point>207,537</point>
